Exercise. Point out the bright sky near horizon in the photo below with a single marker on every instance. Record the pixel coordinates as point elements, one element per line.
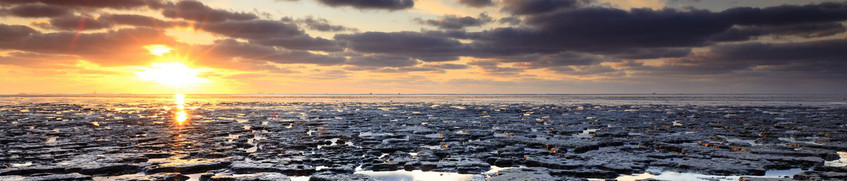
<point>422,46</point>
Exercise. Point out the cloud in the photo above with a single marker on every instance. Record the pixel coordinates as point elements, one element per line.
<point>528,7</point>
<point>319,24</point>
<point>226,50</point>
<point>788,14</point>
<point>555,60</point>
<point>453,22</point>
<point>79,23</point>
<point>823,57</point>
<point>14,33</point>
<point>29,59</point>
<point>197,11</point>
<point>382,61</point>
<point>597,70</point>
<point>423,46</point>
<point>268,32</point>
<point>491,67</point>
<point>409,69</point>
<point>477,3</point>
<point>390,5</point>
<point>606,30</point>
<point>510,20</point>
<point>38,11</point>
<point>138,20</point>
<point>448,66</point>
<point>114,4</point>
<point>745,33</point>
<point>113,47</point>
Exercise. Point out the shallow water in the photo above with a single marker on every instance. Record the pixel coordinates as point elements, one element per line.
<point>244,121</point>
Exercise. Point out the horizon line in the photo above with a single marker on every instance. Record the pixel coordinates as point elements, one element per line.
<point>422,94</point>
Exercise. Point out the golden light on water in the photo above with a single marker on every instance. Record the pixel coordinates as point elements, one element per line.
<point>180,116</point>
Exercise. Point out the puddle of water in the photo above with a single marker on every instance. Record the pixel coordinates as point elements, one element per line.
<point>740,141</point>
<point>794,140</point>
<point>194,177</point>
<point>117,177</point>
<point>670,175</point>
<point>21,164</point>
<point>841,162</point>
<point>418,175</point>
<point>585,133</point>
<point>334,141</point>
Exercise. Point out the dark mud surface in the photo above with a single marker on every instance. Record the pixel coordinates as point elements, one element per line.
<point>369,141</point>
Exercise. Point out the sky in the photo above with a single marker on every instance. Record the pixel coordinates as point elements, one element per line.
<point>422,46</point>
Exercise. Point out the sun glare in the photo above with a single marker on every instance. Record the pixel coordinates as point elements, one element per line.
<point>158,50</point>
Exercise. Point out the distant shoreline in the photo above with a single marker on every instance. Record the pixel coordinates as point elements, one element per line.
<point>436,94</point>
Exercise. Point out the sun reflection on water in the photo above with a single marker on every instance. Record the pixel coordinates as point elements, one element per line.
<point>180,116</point>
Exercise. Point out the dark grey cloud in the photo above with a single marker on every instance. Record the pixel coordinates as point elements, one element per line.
<point>197,11</point>
<point>528,7</point>
<point>477,3</point>
<point>382,61</point>
<point>38,11</point>
<point>371,4</point>
<point>607,31</point>
<point>788,14</point>
<point>744,33</point>
<point>268,32</point>
<point>301,42</point>
<point>229,49</point>
<point>426,47</point>
<point>555,60</point>
<point>492,67</point>
<point>449,66</point>
<point>255,29</point>
<point>824,57</point>
<point>319,24</point>
<point>576,40</point>
<point>510,20</point>
<point>115,4</point>
<point>453,22</point>
<point>138,20</point>
<point>12,34</point>
<point>597,70</point>
<point>79,23</point>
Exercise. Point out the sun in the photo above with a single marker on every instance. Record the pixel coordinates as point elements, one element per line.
<point>169,70</point>
<point>173,74</point>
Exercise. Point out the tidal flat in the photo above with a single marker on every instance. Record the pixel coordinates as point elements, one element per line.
<point>517,137</point>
